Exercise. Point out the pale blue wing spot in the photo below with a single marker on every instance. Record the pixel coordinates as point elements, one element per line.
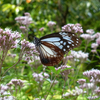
<point>51,39</point>
<point>61,41</point>
<point>57,43</point>
<point>64,33</point>
<point>67,38</point>
<point>64,43</point>
<point>73,34</point>
<point>68,46</point>
<point>64,49</point>
<point>61,46</point>
<point>76,41</point>
<point>60,33</point>
<point>69,42</point>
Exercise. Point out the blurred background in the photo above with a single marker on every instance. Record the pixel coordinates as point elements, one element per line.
<point>85,12</point>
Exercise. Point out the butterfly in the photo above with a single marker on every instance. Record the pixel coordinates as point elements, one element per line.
<point>53,47</point>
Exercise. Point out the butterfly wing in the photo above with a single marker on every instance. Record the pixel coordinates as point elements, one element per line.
<point>65,41</point>
<point>54,46</point>
<point>50,55</point>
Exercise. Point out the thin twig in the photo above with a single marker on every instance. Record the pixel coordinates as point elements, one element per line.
<point>11,67</point>
<point>50,88</point>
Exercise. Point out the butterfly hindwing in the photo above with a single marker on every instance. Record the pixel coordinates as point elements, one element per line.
<point>48,54</point>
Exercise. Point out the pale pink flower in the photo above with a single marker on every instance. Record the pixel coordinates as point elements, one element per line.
<point>27,14</point>
<point>41,29</point>
<point>65,72</point>
<point>51,23</point>
<point>92,97</point>
<point>94,51</point>
<point>97,35</point>
<point>17,82</point>
<point>92,73</point>
<point>90,31</point>
<point>24,20</point>
<point>97,92</point>
<point>28,50</point>
<point>79,55</point>
<point>38,77</point>
<point>98,41</point>
<point>75,92</point>
<point>74,28</point>
<point>87,37</point>
<point>8,39</point>
<point>9,84</point>
<point>23,28</point>
<point>81,81</point>
<point>94,45</point>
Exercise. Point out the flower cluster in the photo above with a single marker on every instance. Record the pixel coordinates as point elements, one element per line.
<point>90,31</point>
<point>16,83</point>
<point>4,95</point>
<point>8,39</point>
<point>65,70</point>
<point>97,35</point>
<point>8,89</point>
<point>94,78</point>
<point>51,23</point>
<point>89,36</point>
<point>92,97</point>
<point>79,55</point>
<point>81,81</point>
<point>24,20</point>
<point>75,92</point>
<point>28,50</point>
<point>93,75</point>
<point>98,40</point>
<point>40,77</point>
<point>94,46</point>
<point>65,59</point>
<point>74,28</point>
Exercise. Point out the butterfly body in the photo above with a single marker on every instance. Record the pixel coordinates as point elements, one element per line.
<point>52,47</point>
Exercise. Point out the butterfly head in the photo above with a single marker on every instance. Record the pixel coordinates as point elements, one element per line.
<point>37,41</point>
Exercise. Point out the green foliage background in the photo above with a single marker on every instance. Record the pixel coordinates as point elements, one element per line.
<point>85,12</point>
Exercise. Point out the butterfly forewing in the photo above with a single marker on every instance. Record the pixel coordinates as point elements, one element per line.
<point>65,41</point>
<point>52,47</point>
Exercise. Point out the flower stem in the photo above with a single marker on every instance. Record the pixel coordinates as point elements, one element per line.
<point>10,68</point>
<point>50,88</point>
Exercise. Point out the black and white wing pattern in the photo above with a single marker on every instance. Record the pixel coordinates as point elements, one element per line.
<point>52,47</point>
